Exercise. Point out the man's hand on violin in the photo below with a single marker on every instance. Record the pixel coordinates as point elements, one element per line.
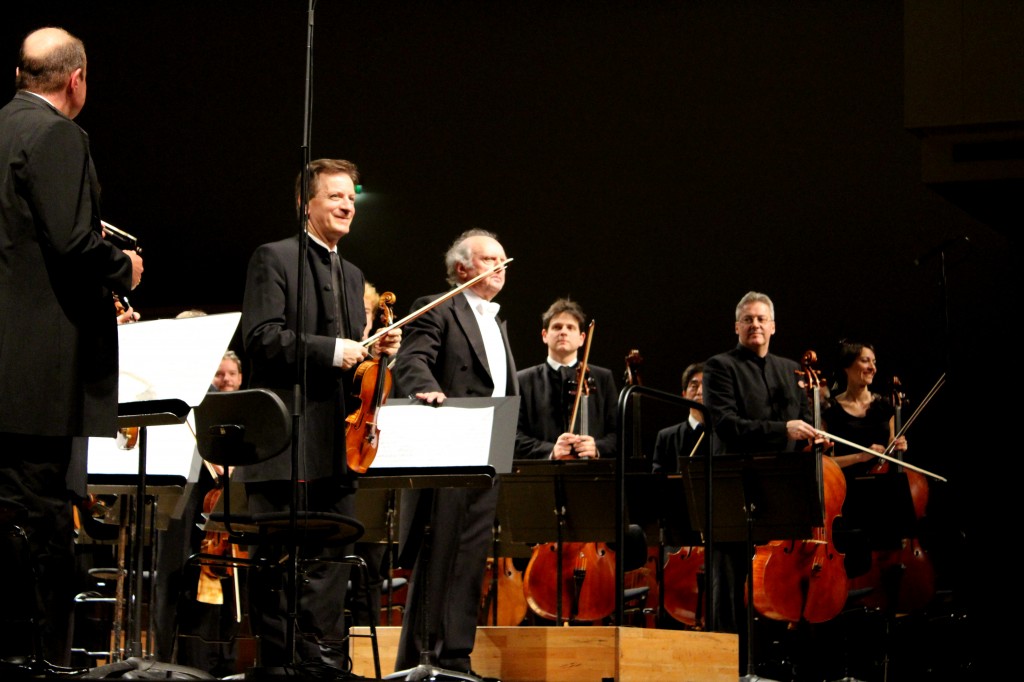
<point>127,316</point>
<point>352,353</point>
<point>388,344</point>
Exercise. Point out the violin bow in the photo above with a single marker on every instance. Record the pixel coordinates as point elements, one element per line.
<point>879,454</point>
<point>383,331</point>
<point>924,401</point>
<point>581,382</point>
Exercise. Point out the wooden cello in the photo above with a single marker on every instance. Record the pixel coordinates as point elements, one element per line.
<point>805,580</point>
<point>902,580</point>
<point>503,598</point>
<point>685,596</point>
<point>574,578</point>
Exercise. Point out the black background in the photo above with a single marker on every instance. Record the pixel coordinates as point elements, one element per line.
<point>653,162</point>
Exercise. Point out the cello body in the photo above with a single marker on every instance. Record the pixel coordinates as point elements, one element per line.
<point>900,580</point>
<point>805,580</point>
<point>586,575</point>
<point>503,598</point>
<point>685,597</point>
<point>798,580</point>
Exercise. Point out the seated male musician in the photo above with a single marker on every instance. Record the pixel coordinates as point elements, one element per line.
<point>548,393</point>
<point>685,438</point>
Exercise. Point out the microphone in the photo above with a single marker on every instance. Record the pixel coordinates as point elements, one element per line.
<point>941,248</point>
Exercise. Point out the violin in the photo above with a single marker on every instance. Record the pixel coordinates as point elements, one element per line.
<point>209,589</point>
<point>797,580</point>
<point>373,377</point>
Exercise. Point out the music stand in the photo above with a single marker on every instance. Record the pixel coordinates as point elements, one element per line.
<point>757,498</point>
<point>165,368</point>
<point>655,503</point>
<point>419,448</point>
<point>376,508</point>
<point>575,491</point>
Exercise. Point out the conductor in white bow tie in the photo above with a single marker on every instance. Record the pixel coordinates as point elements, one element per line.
<point>457,349</point>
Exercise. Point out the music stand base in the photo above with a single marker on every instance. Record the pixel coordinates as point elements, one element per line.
<point>425,671</point>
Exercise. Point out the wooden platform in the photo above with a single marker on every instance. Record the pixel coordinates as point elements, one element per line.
<point>580,654</point>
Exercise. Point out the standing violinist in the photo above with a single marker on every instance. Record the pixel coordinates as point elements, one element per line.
<point>859,415</point>
<point>756,405</point>
<point>548,393</point>
<point>335,319</point>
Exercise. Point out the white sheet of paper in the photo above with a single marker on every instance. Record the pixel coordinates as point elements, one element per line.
<point>421,436</point>
<point>170,451</point>
<point>172,359</point>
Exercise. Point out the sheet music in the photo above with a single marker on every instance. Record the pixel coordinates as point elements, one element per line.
<point>172,359</point>
<point>407,436</point>
<point>170,451</point>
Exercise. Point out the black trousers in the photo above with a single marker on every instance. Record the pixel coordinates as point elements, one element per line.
<point>33,471</point>
<point>320,629</point>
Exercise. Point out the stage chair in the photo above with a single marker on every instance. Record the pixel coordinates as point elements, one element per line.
<point>242,428</point>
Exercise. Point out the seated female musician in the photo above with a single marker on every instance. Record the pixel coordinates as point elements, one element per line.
<point>857,414</point>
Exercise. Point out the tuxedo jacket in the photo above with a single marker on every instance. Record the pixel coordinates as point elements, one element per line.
<point>442,350</point>
<point>750,399</point>
<point>674,441</point>
<point>270,316</point>
<point>58,332</point>
<point>545,409</point>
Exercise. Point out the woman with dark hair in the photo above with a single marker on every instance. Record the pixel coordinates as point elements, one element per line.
<point>859,415</point>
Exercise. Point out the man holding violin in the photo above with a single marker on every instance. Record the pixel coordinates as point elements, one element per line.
<point>57,328</point>
<point>549,391</point>
<point>335,320</point>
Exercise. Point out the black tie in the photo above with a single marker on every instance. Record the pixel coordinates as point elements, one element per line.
<point>336,286</point>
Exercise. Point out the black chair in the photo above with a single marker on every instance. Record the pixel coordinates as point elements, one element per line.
<point>242,428</point>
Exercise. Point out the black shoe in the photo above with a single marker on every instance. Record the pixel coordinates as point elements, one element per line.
<point>483,678</point>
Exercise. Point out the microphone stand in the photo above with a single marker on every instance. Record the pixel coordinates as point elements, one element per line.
<point>298,409</point>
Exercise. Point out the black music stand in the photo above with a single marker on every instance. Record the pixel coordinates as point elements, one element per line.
<point>377,508</point>
<point>165,368</point>
<point>656,502</point>
<point>472,460</point>
<point>567,500</point>
<point>756,499</point>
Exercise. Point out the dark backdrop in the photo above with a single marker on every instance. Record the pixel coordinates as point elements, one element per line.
<point>654,163</point>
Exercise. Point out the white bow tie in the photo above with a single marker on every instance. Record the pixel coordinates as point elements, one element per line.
<point>488,308</point>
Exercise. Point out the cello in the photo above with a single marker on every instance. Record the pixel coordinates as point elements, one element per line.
<point>805,580</point>
<point>903,580</point>
<point>577,578</point>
